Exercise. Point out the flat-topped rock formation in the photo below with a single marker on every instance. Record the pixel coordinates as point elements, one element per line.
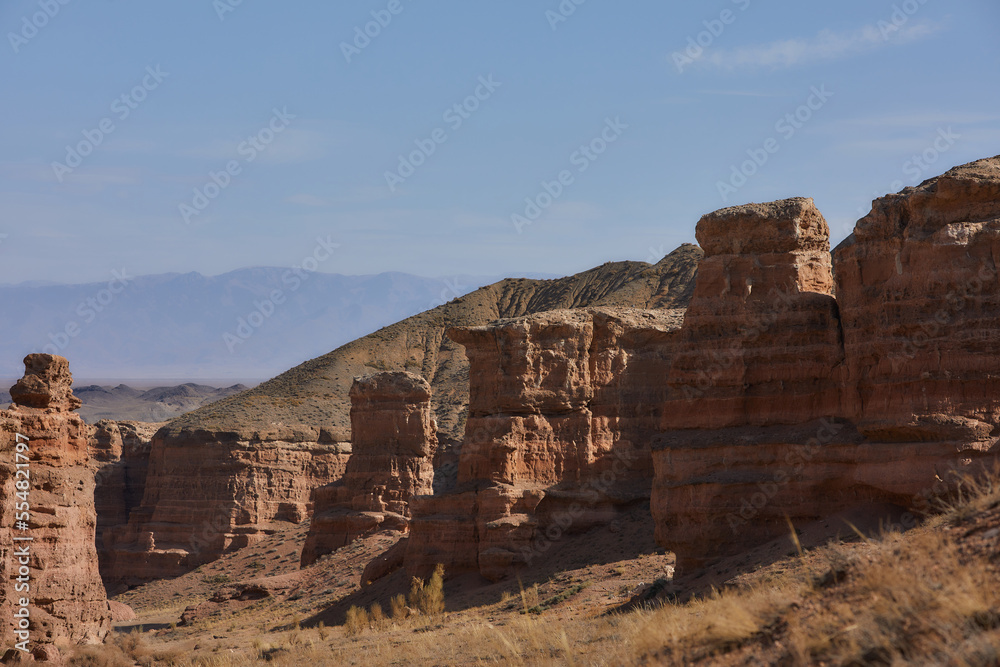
<point>68,600</point>
<point>782,397</point>
<point>828,405</point>
<point>553,441</point>
<point>394,439</point>
<point>761,341</point>
<point>202,500</point>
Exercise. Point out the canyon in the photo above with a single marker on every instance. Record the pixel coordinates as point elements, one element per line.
<point>231,473</point>
<point>735,392</point>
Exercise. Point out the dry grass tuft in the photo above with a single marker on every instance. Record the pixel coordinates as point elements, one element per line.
<point>428,597</point>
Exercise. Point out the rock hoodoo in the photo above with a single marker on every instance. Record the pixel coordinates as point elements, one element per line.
<point>68,600</point>
<point>394,439</point>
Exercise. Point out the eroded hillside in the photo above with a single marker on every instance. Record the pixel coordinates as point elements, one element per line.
<point>293,404</point>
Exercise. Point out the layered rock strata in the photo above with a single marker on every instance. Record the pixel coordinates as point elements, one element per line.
<point>394,439</point>
<point>217,492</point>
<point>221,475</point>
<point>68,602</point>
<point>808,410</point>
<point>119,453</point>
<point>917,286</point>
<point>556,438</point>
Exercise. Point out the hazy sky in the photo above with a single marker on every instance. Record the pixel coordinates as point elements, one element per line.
<point>194,135</point>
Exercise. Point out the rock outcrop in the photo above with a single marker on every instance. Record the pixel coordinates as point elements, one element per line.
<point>217,492</point>
<point>221,475</point>
<point>393,442</point>
<point>119,453</point>
<point>917,286</point>
<point>788,404</point>
<point>556,438</point>
<point>761,342</point>
<point>68,600</point>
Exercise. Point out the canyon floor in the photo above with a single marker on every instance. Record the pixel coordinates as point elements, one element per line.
<point>929,595</point>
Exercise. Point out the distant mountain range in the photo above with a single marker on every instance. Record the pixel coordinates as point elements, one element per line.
<point>249,323</point>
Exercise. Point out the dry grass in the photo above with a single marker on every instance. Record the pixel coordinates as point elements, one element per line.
<point>428,597</point>
<point>928,596</point>
<point>902,598</point>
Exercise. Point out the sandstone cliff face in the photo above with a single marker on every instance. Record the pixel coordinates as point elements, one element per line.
<point>68,600</point>
<point>119,454</point>
<point>215,492</point>
<point>917,285</point>
<point>808,415</point>
<point>394,439</point>
<point>553,442</point>
<point>761,341</point>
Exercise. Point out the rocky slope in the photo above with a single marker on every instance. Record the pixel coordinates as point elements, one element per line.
<point>68,600</point>
<point>219,477</point>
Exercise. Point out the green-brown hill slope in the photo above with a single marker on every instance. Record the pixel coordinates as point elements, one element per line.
<point>310,402</point>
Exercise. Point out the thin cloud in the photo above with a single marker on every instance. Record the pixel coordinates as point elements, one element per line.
<point>827,45</point>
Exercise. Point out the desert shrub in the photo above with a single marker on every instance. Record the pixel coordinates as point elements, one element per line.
<point>428,597</point>
<point>376,616</point>
<point>356,622</point>
<point>397,607</point>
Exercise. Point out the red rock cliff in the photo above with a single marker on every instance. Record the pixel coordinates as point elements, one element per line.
<point>556,438</point>
<point>805,416</point>
<point>119,453</point>
<point>214,492</point>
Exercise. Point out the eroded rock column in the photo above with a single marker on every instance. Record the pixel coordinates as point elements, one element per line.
<point>68,600</point>
<point>394,439</point>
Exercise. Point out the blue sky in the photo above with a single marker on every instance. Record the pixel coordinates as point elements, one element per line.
<point>668,126</point>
